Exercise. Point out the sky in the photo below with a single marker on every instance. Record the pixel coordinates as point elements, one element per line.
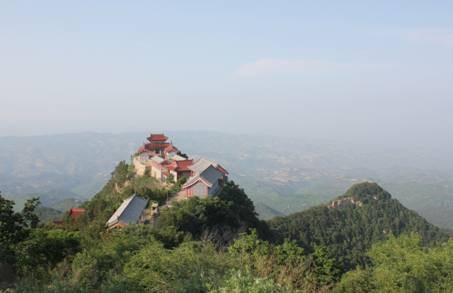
<point>356,70</point>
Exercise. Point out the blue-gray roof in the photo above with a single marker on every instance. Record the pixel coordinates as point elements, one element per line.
<point>129,211</point>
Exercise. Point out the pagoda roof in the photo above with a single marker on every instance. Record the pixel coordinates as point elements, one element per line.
<point>158,137</point>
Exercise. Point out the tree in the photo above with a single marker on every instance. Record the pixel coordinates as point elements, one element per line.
<point>210,218</point>
<point>239,200</point>
<point>43,250</point>
<point>28,212</point>
<point>12,230</point>
<point>323,269</point>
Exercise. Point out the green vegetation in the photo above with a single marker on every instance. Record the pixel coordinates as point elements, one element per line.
<point>15,227</point>
<point>48,215</point>
<point>219,245</point>
<point>348,231</point>
<point>403,265</point>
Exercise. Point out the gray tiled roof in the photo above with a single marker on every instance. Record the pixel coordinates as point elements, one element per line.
<point>129,211</point>
<point>209,174</point>
<point>202,164</point>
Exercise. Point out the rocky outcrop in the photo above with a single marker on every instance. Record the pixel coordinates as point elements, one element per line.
<point>345,202</point>
<point>359,194</point>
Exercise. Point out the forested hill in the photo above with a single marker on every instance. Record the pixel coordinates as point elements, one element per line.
<point>218,245</point>
<point>219,219</point>
<point>350,224</point>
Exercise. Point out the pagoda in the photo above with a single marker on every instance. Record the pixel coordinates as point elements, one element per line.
<point>157,143</point>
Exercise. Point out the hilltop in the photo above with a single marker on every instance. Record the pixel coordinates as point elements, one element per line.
<point>161,183</point>
<point>350,224</point>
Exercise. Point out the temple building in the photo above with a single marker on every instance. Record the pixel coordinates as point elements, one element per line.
<point>207,178</point>
<point>163,161</point>
<point>157,143</point>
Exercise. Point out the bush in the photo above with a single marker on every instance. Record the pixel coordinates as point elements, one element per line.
<point>43,250</point>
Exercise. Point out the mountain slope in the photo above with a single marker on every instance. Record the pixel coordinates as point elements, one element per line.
<point>265,212</point>
<point>47,214</point>
<point>351,223</point>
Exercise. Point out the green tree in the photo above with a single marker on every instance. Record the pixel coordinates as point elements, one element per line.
<point>239,201</point>
<point>323,268</point>
<point>28,212</point>
<point>12,230</point>
<point>43,250</point>
<point>210,219</point>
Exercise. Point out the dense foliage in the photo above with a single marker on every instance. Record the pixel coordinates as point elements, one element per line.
<point>216,219</point>
<point>15,227</point>
<point>403,265</point>
<point>27,251</point>
<point>218,245</point>
<point>367,214</point>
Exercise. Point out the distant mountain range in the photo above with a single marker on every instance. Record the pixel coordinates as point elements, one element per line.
<point>281,175</point>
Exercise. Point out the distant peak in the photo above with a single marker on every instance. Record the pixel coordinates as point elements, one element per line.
<point>360,194</point>
<point>367,190</point>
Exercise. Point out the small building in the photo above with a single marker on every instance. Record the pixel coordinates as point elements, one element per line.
<point>131,211</point>
<point>179,169</point>
<point>74,213</point>
<point>207,179</point>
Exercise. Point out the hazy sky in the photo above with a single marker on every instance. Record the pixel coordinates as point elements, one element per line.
<point>356,69</point>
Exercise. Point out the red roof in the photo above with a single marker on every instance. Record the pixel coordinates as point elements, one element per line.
<point>183,165</point>
<point>180,166</point>
<point>170,148</point>
<point>76,212</point>
<point>160,137</point>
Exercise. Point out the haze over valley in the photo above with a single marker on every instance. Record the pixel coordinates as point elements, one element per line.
<point>281,175</point>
